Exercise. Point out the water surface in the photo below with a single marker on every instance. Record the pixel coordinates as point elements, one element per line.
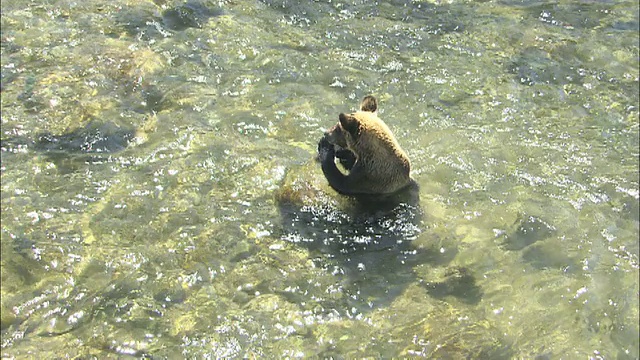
<point>146,146</point>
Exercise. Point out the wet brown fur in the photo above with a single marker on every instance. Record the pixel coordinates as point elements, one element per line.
<point>381,166</point>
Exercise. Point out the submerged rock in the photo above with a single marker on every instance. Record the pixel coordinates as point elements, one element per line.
<point>94,138</point>
<point>189,15</point>
<point>527,230</point>
<point>70,151</point>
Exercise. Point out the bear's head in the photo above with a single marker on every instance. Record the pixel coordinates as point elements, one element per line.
<point>365,135</point>
<point>348,128</point>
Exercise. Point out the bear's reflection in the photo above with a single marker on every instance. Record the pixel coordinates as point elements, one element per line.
<point>369,249</point>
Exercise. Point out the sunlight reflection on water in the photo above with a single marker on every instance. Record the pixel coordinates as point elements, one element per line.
<point>147,148</point>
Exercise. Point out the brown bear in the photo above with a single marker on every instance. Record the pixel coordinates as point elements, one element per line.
<point>377,166</point>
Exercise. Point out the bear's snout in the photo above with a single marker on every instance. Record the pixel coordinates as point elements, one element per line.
<point>335,136</point>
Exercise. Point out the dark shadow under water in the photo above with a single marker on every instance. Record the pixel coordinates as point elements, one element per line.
<point>92,143</point>
<point>369,245</point>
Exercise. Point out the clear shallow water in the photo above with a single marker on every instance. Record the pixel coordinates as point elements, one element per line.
<point>144,145</point>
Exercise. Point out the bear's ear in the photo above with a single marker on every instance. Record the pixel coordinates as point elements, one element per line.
<point>350,124</point>
<point>369,103</point>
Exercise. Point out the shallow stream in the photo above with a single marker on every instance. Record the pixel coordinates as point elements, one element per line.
<point>144,145</point>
